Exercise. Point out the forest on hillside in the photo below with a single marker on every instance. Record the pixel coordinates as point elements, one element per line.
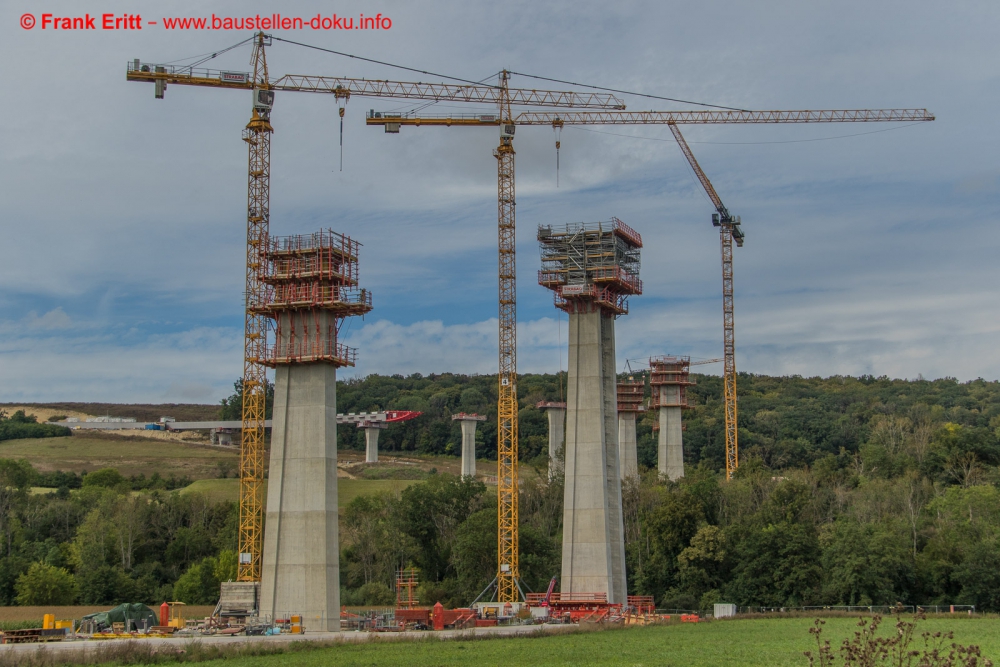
<point>850,491</point>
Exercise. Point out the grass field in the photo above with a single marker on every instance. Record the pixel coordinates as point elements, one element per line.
<point>129,454</point>
<point>753,643</point>
<point>347,489</point>
<point>9,615</point>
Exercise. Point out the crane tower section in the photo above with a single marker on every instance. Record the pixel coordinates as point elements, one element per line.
<point>257,135</point>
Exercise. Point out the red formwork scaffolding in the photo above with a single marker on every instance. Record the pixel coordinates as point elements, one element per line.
<point>631,395</point>
<point>312,285</point>
<point>669,378</point>
<point>590,264</point>
<point>406,588</point>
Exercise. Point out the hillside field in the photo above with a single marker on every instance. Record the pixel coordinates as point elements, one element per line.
<point>347,489</point>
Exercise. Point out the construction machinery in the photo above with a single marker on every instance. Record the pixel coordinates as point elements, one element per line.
<point>729,226</point>
<point>729,231</point>
<point>257,135</point>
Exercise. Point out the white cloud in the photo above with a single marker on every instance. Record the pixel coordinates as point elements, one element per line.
<point>54,319</point>
<point>873,253</point>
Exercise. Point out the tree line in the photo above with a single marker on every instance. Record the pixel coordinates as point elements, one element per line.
<point>850,491</point>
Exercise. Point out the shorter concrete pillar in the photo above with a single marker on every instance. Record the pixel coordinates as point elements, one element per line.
<point>669,380</point>
<point>627,454</point>
<point>468,441</point>
<point>557,419</point>
<point>671,443</point>
<point>371,443</point>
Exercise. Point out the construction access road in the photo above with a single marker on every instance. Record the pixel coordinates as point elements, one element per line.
<point>173,644</point>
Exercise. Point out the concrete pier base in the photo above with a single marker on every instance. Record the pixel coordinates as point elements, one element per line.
<point>371,444</point>
<point>628,458</point>
<point>468,448</point>
<point>670,453</point>
<point>593,557</point>
<point>301,571</point>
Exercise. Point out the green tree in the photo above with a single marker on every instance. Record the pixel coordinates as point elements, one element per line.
<point>375,594</point>
<point>231,408</point>
<point>108,478</point>
<point>106,584</point>
<point>701,565</point>
<point>225,566</point>
<point>44,584</point>
<point>199,585</point>
<point>865,564</point>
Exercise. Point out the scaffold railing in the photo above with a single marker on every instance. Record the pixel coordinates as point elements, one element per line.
<point>298,351</point>
<point>325,256</point>
<point>293,296</point>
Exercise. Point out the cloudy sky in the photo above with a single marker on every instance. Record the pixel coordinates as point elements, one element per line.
<point>870,248</point>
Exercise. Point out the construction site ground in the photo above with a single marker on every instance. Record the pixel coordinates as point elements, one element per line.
<point>770,642</point>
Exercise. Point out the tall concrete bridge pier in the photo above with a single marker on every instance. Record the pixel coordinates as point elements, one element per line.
<point>314,286</point>
<point>592,268</point>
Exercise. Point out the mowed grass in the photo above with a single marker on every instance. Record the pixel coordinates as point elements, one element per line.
<point>77,453</point>
<point>751,642</point>
<point>347,489</point>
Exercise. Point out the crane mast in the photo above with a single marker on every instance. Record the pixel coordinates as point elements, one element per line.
<point>729,229</point>
<point>507,489</point>
<point>257,135</point>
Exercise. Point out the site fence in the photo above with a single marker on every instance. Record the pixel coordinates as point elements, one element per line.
<point>869,609</point>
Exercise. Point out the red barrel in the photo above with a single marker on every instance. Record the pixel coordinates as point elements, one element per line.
<point>164,614</point>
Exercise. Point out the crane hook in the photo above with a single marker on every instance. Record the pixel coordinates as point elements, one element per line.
<point>557,126</point>
<point>342,138</point>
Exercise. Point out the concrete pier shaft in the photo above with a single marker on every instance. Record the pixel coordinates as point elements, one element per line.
<point>468,448</point>
<point>593,559</point>
<point>670,450</point>
<point>628,459</point>
<point>301,559</point>
<point>556,412</point>
<point>371,444</point>
<point>468,441</point>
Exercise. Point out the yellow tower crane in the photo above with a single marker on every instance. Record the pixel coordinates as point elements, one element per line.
<point>257,134</point>
<point>730,229</point>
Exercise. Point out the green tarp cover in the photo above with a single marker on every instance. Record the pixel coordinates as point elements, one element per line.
<point>135,616</point>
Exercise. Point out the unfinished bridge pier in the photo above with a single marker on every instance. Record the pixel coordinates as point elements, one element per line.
<point>630,399</point>
<point>556,412</point>
<point>669,378</point>
<point>312,283</point>
<point>592,268</point>
<point>469,422</point>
